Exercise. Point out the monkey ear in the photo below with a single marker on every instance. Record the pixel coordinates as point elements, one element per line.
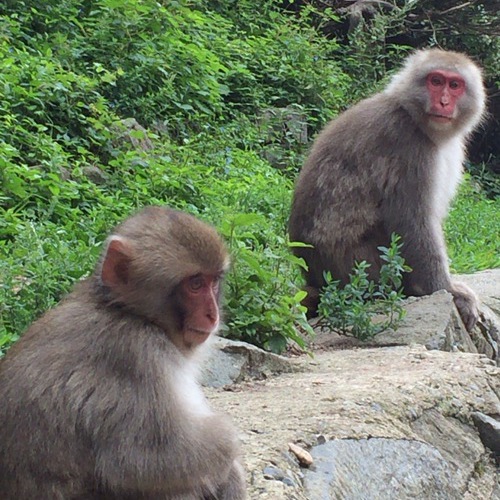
<point>116,262</point>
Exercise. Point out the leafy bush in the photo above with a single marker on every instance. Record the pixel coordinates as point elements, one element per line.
<point>63,222</point>
<point>363,307</point>
<point>38,269</point>
<point>199,77</point>
<point>472,230</point>
<point>261,307</point>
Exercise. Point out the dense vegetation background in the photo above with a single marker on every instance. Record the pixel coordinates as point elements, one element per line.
<point>208,106</point>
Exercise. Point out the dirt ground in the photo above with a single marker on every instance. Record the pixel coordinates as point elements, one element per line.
<point>353,393</point>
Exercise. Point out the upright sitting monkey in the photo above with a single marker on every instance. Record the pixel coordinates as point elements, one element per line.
<point>391,164</point>
<point>100,399</point>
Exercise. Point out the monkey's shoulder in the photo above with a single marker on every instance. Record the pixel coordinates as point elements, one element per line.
<point>373,126</point>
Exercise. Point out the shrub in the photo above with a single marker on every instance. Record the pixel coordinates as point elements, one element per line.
<point>363,307</point>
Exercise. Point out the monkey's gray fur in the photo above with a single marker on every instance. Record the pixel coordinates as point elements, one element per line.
<point>97,402</point>
<point>383,167</point>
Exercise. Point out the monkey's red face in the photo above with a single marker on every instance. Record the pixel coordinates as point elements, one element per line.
<point>445,89</point>
<point>200,297</point>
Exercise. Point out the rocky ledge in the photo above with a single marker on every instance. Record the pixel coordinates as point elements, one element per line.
<point>415,414</point>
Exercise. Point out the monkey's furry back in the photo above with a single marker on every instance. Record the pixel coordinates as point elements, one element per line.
<point>64,384</point>
<point>337,196</point>
<point>383,166</point>
<point>48,387</point>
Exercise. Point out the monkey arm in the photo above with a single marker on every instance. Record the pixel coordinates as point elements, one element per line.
<point>181,461</point>
<point>467,303</point>
<point>235,486</point>
<point>143,438</point>
<point>423,248</point>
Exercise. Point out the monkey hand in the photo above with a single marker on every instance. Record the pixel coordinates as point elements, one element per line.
<point>467,304</point>
<point>234,487</point>
<point>225,443</point>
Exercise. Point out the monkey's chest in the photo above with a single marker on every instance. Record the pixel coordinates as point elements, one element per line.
<point>447,176</point>
<point>188,393</point>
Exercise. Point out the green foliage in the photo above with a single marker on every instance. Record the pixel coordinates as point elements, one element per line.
<point>472,230</point>
<point>260,284</point>
<point>488,180</point>
<point>167,101</point>
<point>183,65</point>
<point>376,35</point>
<point>364,308</point>
<point>369,56</point>
<point>61,223</point>
<point>47,113</point>
<point>38,269</point>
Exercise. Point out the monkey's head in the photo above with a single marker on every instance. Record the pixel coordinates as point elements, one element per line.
<point>166,266</point>
<point>442,91</point>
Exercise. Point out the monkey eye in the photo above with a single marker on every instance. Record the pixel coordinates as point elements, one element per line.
<point>216,282</point>
<point>436,81</point>
<point>196,282</point>
<point>455,84</point>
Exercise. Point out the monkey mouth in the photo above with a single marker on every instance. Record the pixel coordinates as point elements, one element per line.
<point>194,337</point>
<point>199,332</point>
<point>440,118</point>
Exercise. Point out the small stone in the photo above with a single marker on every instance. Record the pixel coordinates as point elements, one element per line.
<point>487,361</point>
<point>95,174</point>
<point>304,457</point>
<point>271,472</point>
<point>421,355</point>
<point>288,481</point>
<point>489,431</point>
<point>321,439</point>
<point>412,414</point>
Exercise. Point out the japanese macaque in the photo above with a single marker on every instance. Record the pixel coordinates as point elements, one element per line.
<point>391,164</point>
<point>100,399</point>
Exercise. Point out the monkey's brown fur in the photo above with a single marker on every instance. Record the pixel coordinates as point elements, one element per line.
<point>92,395</point>
<point>383,167</point>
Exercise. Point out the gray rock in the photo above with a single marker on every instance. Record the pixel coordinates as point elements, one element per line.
<point>432,321</point>
<point>65,173</point>
<point>288,481</point>
<point>379,468</point>
<point>271,472</point>
<point>402,394</point>
<point>489,431</point>
<point>486,334</point>
<point>457,442</point>
<point>487,285</point>
<point>130,131</point>
<point>397,415</point>
<point>95,174</point>
<point>233,361</point>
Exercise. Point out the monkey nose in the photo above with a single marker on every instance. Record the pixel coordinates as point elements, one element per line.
<point>213,316</point>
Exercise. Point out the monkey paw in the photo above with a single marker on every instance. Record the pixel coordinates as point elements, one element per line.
<point>467,304</point>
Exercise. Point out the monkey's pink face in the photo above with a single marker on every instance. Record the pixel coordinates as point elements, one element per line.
<point>445,88</point>
<point>200,296</point>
